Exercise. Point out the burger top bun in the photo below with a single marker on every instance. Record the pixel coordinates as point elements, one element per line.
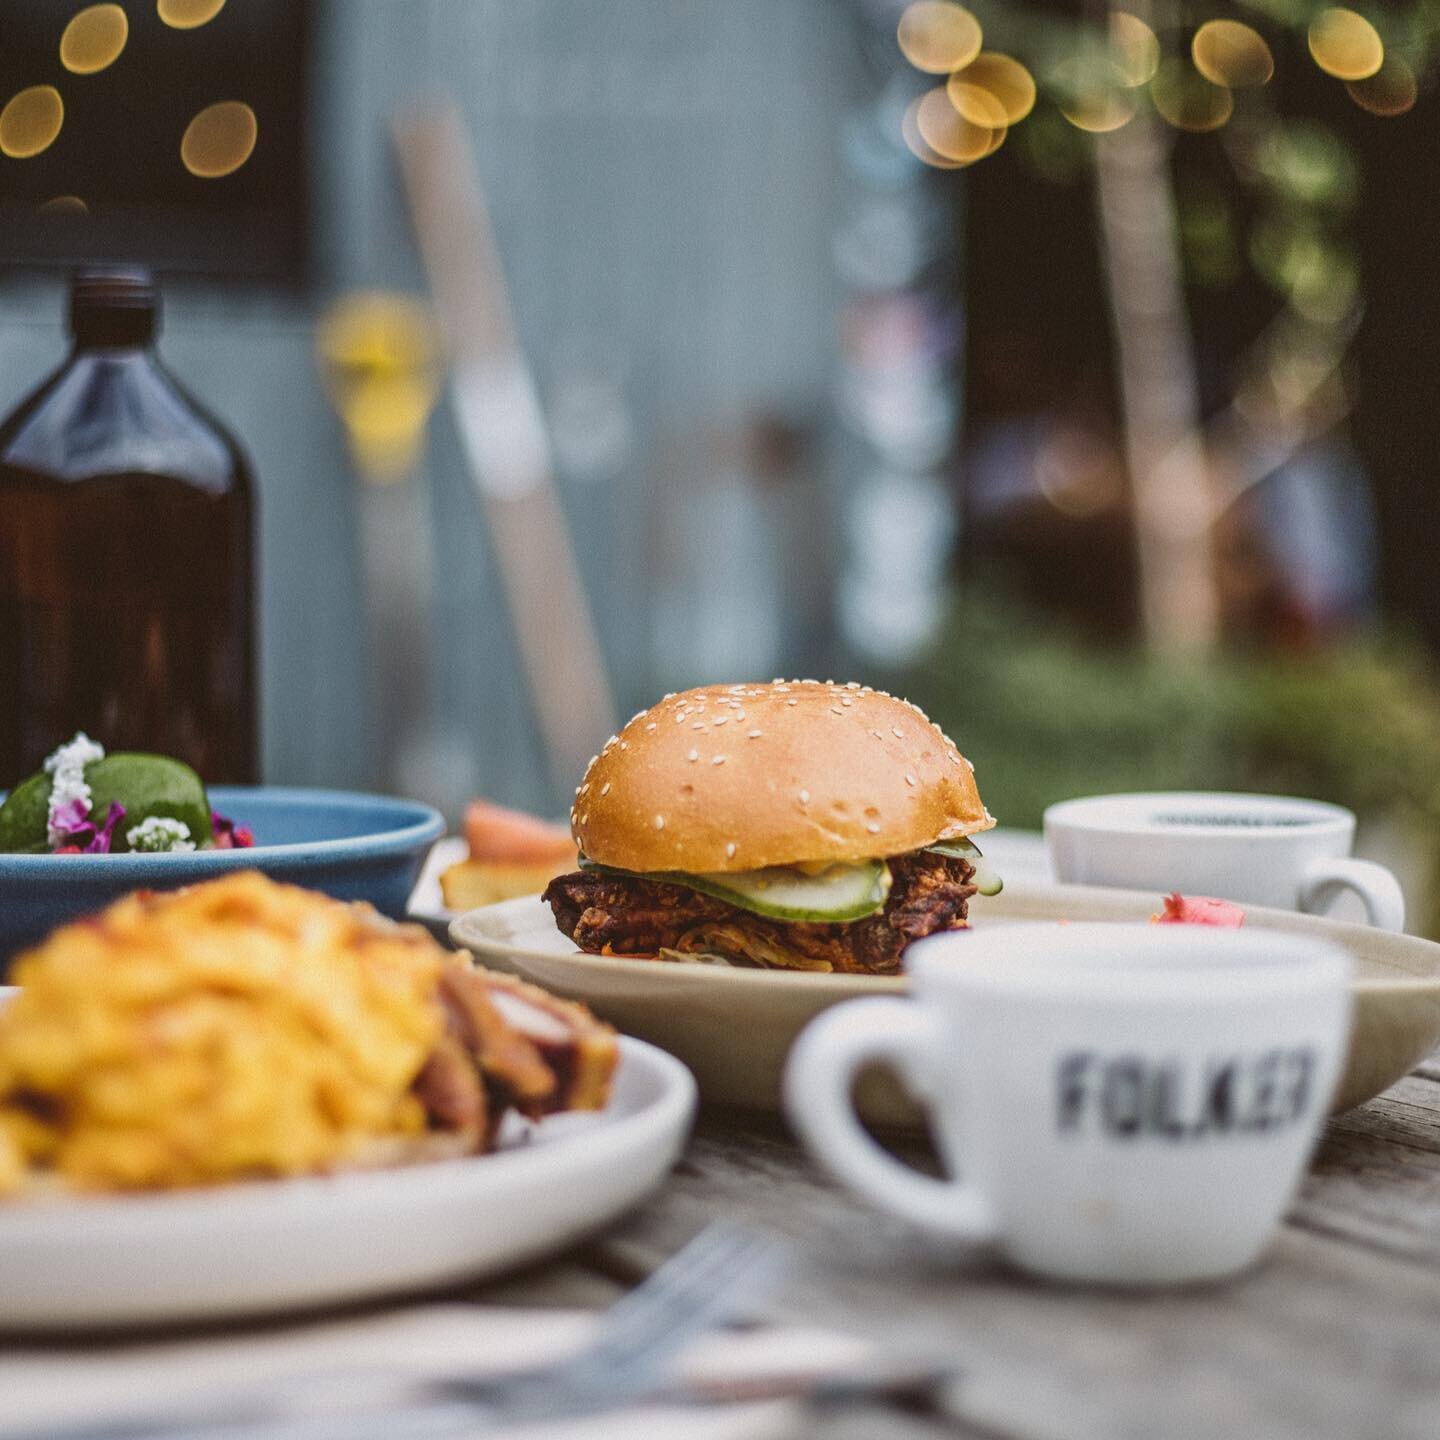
<point>734,777</point>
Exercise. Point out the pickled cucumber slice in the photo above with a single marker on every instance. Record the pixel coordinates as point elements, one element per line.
<point>986,880</point>
<point>833,896</point>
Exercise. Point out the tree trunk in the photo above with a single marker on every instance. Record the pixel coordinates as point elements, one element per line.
<point>1169,478</point>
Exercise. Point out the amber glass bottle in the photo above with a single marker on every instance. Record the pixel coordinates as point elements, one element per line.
<point>126,565</point>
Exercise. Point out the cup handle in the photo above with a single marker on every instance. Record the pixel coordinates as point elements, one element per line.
<point>819,1076</point>
<point>1377,888</point>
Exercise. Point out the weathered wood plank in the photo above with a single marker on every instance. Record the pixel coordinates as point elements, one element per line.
<point>1331,1337</point>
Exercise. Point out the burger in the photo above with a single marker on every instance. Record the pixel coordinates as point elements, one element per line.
<point>794,826</point>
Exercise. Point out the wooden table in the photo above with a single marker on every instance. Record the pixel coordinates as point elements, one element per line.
<point>1336,1334</point>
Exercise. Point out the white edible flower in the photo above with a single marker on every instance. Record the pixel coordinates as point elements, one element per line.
<point>158,833</point>
<point>67,765</point>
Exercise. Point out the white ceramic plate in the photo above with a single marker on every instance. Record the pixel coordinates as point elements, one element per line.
<point>283,1244</point>
<point>427,900</point>
<point>733,1027</point>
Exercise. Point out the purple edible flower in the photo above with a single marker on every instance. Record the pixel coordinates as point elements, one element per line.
<point>81,834</point>
<point>73,817</point>
<point>229,835</point>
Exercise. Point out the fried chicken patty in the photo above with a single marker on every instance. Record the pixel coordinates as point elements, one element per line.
<point>608,913</point>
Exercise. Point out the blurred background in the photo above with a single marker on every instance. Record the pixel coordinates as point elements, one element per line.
<point>1068,369</point>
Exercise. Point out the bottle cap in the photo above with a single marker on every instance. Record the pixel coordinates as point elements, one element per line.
<point>114,305</point>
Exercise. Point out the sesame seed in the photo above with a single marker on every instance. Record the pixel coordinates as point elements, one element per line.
<point>718,760</point>
<point>585,818</point>
<point>668,695</point>
<point>897,732</point>
<point>836,710</point>
<point>693,755</point>
<point>700,724</point>
<point>730,850</point>
<point>852,684</point>
<point>585,787</point>
<point>873,828</point>
<point>659,822</point>
<point>877,734</point>
<point>909,780</point>
<point>846,700</point>
<point>792,702</point>
<point>804,797</point>
<point>756,734</point>
<point>605,788</point>
<point>651,725</point>
<point>721,720</point>
<point>624,744</point>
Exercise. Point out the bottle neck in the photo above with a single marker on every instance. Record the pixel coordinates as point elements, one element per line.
<point>113,309</point>
<point>114,330</point>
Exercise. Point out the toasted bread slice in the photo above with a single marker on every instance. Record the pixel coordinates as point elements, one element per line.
<point>472,883</point>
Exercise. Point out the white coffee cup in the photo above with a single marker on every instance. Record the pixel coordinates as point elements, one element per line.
<point>1125,1104</point>
<point>1257,849</point>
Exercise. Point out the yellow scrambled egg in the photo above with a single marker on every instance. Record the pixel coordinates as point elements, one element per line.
<point>239,1028</point>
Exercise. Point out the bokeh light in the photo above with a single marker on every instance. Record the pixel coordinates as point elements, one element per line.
<point>1391,90</point>
<point>915,141</point>
<point>188,14</point>
<point>1135,48</point>
<point>94,39</point>
<point>1307,165</point>
<point>976,104</point>
<point>947,132</point>
<point>1002,78</point>
<point>1187,100</point>
<point>937,36</point>
<point>379,355</point>
<point>64,206</point>
<point>219,140</point>
<point>1093,97</point>
<point>1345,44</point>
<point>30,122</point>
<point>1229,53</point>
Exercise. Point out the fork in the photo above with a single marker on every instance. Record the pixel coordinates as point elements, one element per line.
<point>721,1273</point>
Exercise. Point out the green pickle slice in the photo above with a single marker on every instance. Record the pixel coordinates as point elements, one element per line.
<point>834,895</point>
<point>987,880</point>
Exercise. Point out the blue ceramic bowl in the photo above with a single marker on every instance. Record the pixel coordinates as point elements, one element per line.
<point>352,846</point>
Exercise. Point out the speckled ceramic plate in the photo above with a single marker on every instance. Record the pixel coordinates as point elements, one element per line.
<point>733,1027</point>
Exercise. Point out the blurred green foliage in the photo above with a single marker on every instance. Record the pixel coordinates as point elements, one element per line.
<point>1045,715</point>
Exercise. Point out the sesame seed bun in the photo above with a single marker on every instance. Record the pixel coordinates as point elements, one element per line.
<point>733,777</point>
